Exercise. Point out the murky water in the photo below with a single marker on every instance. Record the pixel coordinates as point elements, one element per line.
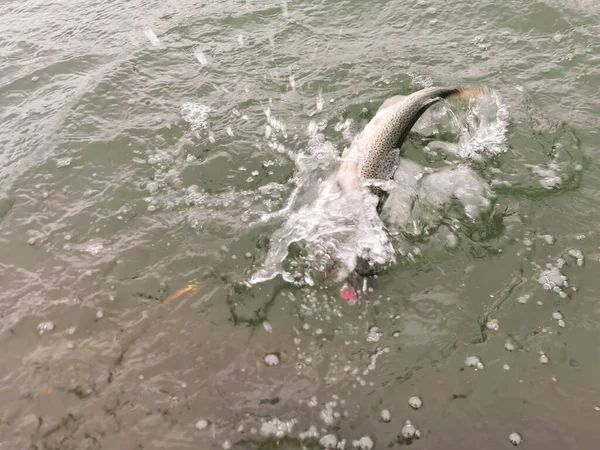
<point>165,226</point>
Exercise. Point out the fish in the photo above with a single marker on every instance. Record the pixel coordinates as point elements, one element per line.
<point>375,153</point>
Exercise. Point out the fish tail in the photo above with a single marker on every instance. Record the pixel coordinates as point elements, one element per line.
<point>467,91</point>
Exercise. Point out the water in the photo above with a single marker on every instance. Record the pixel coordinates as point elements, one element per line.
<point>150,146</point>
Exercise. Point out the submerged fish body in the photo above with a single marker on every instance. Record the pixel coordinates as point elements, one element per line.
<point>375,152</point>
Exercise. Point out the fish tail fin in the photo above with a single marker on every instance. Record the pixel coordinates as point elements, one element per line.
<point>467,91</point>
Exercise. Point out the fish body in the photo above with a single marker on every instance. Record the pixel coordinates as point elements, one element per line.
<point>374,154</point>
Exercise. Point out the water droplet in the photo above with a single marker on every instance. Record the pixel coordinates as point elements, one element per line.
<point>152,37</point>
<point>557,315</point>
<point>268,327</point>
<point>99,314</point>
<point>506,367</point>
<point>544,358</point>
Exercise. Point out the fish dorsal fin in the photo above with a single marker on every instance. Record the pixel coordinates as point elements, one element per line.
<point>391,101</point>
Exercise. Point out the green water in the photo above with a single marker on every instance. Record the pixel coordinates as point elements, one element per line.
<point>112,197</point>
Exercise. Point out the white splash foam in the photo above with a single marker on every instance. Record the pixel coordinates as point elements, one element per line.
<point>333,227</point>
<point>196,114</point>
<point>484,128</point>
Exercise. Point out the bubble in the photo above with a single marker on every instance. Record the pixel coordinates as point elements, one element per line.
<point>408,430</point>
<point>493,325</point>
<point>523,298</point>
<point>63,162</point>
<point>44,327</point>
<point>152,187</point>
<point>277,428</point>
<point>311,433</point>
<point>515,439</point>
<point>329,441</point>
<point>364,443</point>
<point>99,314</point>
<point>506,367</point>
<point>474,361</point>
<point>374,334</point>
<point>271,359</point>
<point>557,315</point>
<point>544,358</point>
<point>548,239</point>
<point>562,323</point>
<point>557,38</point>
<point>385,415</point>
<point>201,424</point>
<point>34,79</point>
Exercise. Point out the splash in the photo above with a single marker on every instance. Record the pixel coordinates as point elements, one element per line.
<point>481,128</point>
<point>326,230</point>
<point>334,229</point>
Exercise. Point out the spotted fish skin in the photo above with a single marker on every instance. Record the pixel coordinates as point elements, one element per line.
<point>375,152</point>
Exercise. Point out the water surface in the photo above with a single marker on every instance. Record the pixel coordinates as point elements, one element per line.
<point>141,145</point>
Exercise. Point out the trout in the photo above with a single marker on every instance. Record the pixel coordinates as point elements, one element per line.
<point>375,152</point>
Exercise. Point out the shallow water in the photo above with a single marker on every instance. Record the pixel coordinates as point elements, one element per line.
<point>147,146</point>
